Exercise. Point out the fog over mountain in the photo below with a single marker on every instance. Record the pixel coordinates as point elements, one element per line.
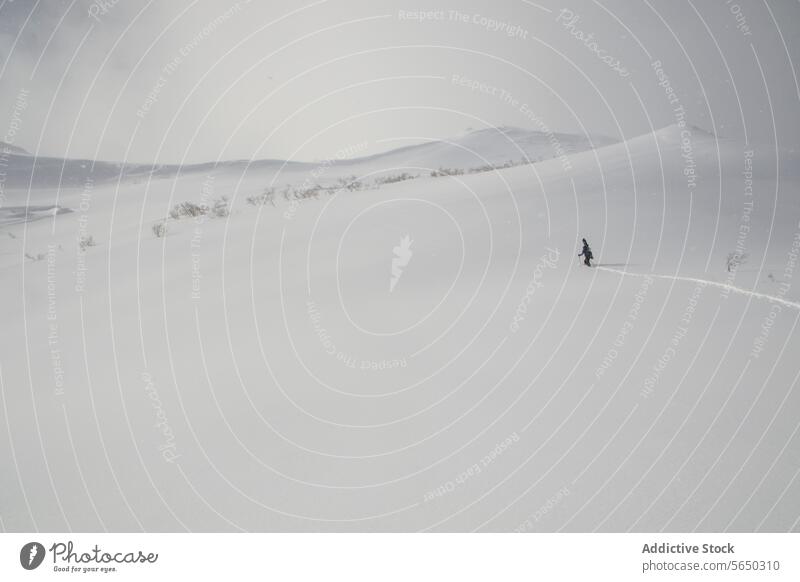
<point>177,82</point>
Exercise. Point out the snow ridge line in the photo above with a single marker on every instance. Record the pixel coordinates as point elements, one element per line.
<point>725,286</point>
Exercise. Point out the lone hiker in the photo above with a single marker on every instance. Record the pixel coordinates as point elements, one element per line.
<point>586,253</point>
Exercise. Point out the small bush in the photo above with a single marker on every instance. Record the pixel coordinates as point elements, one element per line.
<point>446,172</point>
<point>86,242</point>
<point>188,209</point>
<point>480,169</point>
<point>266,197</point>
<point>220,208</point>
<point>394,178</point>
<point>303,193</point>
<point>160,229</point>
<point>734,260</point>
<point>350,183</point>
<point>493,167</point>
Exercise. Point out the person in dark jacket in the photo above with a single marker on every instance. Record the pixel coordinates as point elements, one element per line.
<point>586,253</point>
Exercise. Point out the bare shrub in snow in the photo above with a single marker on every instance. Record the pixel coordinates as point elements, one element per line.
<point>265,197</point>
<point>86,241</point>
<point>493,167</point>
<point>394,178</point>
<point>220,208</point>
<point>37,257</point>
<point>446,172</point>
<point>160,229</point>
<point>189,209</point>
<point>485,168</point>
<point>350,183</point>
<point>734,260</point>
<point>304,193</point>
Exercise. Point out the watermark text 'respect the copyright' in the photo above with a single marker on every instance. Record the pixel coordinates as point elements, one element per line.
<point>476,19</point>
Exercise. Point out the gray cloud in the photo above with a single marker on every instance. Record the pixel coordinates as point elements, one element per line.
<point>200,80</point>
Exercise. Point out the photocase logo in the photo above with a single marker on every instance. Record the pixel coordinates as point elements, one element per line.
<point>402,255</point>
<point>31,555</point>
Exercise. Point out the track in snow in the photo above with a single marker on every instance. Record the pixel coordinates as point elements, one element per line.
<point>725,286</point>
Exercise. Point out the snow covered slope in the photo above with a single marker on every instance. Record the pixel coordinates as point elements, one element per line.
<point>476,149</point>
<point>492,146</point>
<point>428,355</point>
<point>12,149</point>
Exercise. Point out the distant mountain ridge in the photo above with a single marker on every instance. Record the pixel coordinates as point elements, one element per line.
<point>12,149</point>
<point>485,147</point>
<point>490,146</point>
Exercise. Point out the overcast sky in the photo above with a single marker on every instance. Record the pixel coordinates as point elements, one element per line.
<point>202,80</point>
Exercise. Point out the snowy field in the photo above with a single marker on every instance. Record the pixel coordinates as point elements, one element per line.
<point>414,354</point>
